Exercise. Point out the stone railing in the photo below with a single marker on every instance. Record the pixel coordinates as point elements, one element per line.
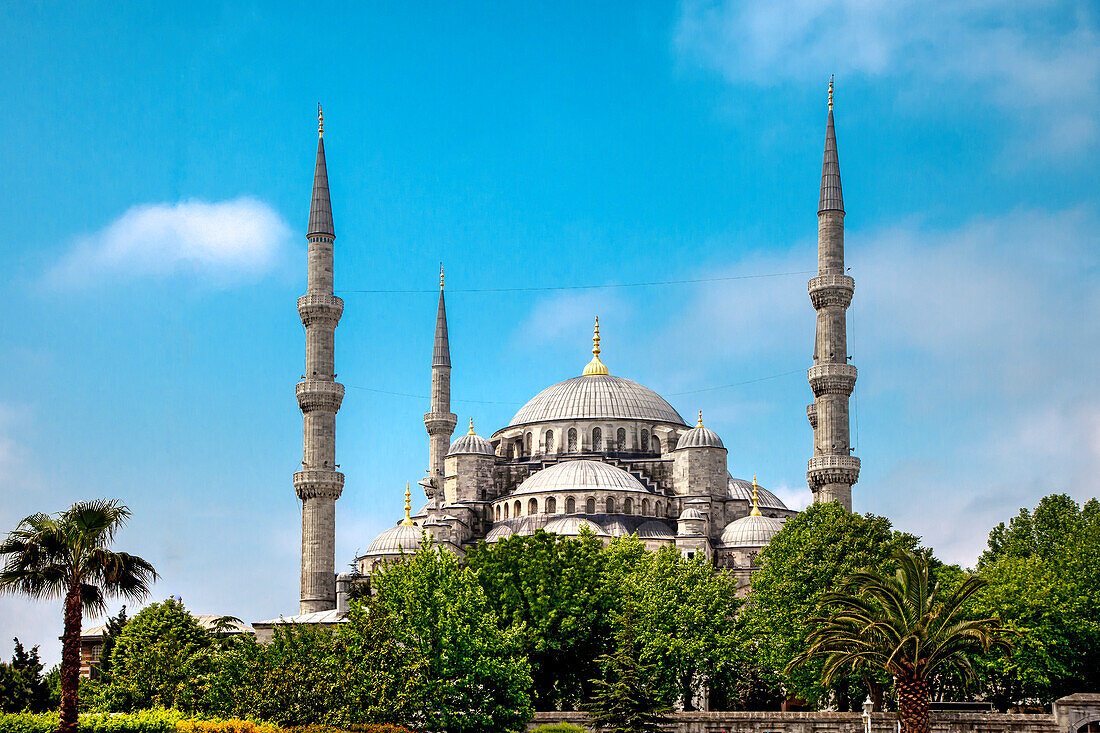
<point>826,290</point>
<point>325,484</point>
<point>315,394</point>
<point>314,307</point>
<point>832,378</point>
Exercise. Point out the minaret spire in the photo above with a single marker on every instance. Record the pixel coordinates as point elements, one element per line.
<point>833,469</point>
<point>319,484</point>
<point>439,420</point>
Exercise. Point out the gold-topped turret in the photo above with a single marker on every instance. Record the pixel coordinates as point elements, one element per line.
<point>408,506</point>
<point>596,368</point>
<point>755,508</point>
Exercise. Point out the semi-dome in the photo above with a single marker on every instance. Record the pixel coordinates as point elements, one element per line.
<point>615,528</point>
<point>499,532</point>
<point>700,437</point>
<point>402,538</point>
<point>654,530</point>
<point>739,489</point>
<point>596,397</point>
<point>471,443</point>
<point>580,476</point>
<point>572,525</point>
<point>750,531</point>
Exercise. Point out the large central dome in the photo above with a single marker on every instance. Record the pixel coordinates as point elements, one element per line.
<point>596,397</point>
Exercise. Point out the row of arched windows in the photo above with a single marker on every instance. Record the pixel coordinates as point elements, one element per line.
<point>508,510</point>
<point>646,442</point>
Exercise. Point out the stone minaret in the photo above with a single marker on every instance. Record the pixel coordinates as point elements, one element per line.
<point>439,420</point>
<point>832,470</point>
<point>319,395</point>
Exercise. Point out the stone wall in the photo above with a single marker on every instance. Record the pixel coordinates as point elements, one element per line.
<point>1070,713</point>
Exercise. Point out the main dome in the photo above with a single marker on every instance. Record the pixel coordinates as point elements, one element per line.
<point>600,397</point>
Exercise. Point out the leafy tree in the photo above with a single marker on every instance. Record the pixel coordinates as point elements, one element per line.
<point>111,631</point>
<point>467,674</point>
<point>625,700</point>
<point>1043,573</point>
<point>811,556</point>
<point>67,555</point>
<point>155,657</point>
<point>550,589</point>
<point>899,625</point>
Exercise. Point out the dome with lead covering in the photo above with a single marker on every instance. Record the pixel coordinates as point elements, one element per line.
<point>402,538</point>
<point>750,531</point>
<point>580,476</point>
<point>596,397</point>
<point>572,525</point>
<point>468,444</point>
<point>739,489</point>
<point>700,437</point>
<point>654,530</point>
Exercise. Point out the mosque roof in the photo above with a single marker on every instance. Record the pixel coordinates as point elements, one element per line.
<point>596,397</point>
<point>654,530</point>
<point>741,490</point>
<point>471,442</point>
<point>572,525</point>
<point>580,476</point>
<point>700,437</point>
<point>750,531</point>
<point>402,538</point>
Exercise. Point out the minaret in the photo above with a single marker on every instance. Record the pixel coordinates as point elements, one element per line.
<point>833,469</point>
<point>319,396</point>
<point>439,420</point>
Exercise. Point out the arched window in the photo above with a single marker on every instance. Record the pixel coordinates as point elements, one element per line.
<point>597,440</point>
<point>656,444</point>
<point>644,442</point>
<point>590,506</point>
<point>620,440</point>
<point>498,512</point>
<point>549,441</point>
<point>516,509</point>
<point>551,505</point>
<point>657,509</point>
<point>570,505</point>
<point>528,451</point>
<point>505,511</point>
<point>610,505</point>
<point>645,507</point>
<point>628,506</point>
<point>533,507</point>
<point>572,440</point>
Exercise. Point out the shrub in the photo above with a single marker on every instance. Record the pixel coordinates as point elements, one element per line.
<point>559,728</point>
<point>232,725</point>
<point>28,722</point>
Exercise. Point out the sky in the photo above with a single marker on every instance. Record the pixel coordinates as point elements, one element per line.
<point>155,177</point>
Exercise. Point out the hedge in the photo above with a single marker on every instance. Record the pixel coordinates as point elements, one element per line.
<point>166,721</point>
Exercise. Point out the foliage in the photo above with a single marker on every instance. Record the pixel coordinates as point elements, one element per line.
<point>1043,573</point>
<point>625,700</point>
<point>899,625</point>
<point>111,630</point>
<point>155,657</point>
<point>22,685</point>
<point>558,728</point>
<point>170,721</point>
<point>550,589</point>
<point>811,556</point>
<point>67,555</point>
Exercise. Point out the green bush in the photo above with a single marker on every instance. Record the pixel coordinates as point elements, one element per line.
<point>28,722</point>
<point>146,721</point>
<point>559,728</point>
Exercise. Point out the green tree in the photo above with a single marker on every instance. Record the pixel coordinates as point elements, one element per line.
<point>111,631</point>
<point>551,590</point>
<point>898,624</point>
<point>811,556</point>
<point>468,675</point>
<point>155,657</point>
<point>624,698</point>
<point>1043,574</point>
<point>67,555</point>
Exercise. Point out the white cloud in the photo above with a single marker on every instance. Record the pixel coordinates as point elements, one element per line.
<point>1037,61</point>
<point>221,242</point>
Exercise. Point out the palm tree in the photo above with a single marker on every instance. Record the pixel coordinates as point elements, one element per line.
<point>900,625</point>
<point>66,555</point>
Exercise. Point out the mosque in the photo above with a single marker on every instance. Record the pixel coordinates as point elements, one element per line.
<point>595,453</point>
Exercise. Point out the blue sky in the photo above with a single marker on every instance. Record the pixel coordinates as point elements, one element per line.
<point>155,172</point>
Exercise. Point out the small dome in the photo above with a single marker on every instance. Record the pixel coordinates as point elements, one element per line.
<point>692,513</point>
<point>654,530</point>
<point>750,531</point>
<point>499,532</point>
<point>700,437</point>
<point>739,489</point>
<point>572,525</point>
<point>580,476</point>
<point>471,442</point>
<point>402,538</point>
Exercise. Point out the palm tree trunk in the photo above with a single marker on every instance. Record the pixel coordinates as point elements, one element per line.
<point>70,660</point>
<point>913,705</point>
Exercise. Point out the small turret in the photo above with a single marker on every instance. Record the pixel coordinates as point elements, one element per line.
<point>699,468</point>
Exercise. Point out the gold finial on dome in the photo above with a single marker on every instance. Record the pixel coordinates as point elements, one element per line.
<point>830,92</point>
<point>471,427</point>
<point>408,506</point>
<point>700,423</point>
<point>755,509</point>
<point>320,121</point>
<point>596,367</point>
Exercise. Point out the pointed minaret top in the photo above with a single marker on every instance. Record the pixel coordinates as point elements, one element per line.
<point>441,356</point>
<point>831,197</point>
<point>320,209</point>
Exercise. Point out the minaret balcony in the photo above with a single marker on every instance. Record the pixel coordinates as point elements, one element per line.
<point>832,379</point>
<point>811,414</point>
<point>440,423</point>
<point>314,484</point>
<point>321,309</point>
<point>826,290</point>
<point>314,395</point>
<point>823,470</point>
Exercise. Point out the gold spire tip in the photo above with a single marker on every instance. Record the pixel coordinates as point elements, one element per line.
<point>596,367</point>
<point>700,423</point>
<point>440,275</point>
<point>320,121</point>
<point>830,92</point>
<point>408,506</point>
<point>755,508</point>
<point>471,427</point>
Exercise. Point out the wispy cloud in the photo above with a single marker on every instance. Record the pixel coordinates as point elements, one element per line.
<point>1038,62</point>
<point>221,242</point>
